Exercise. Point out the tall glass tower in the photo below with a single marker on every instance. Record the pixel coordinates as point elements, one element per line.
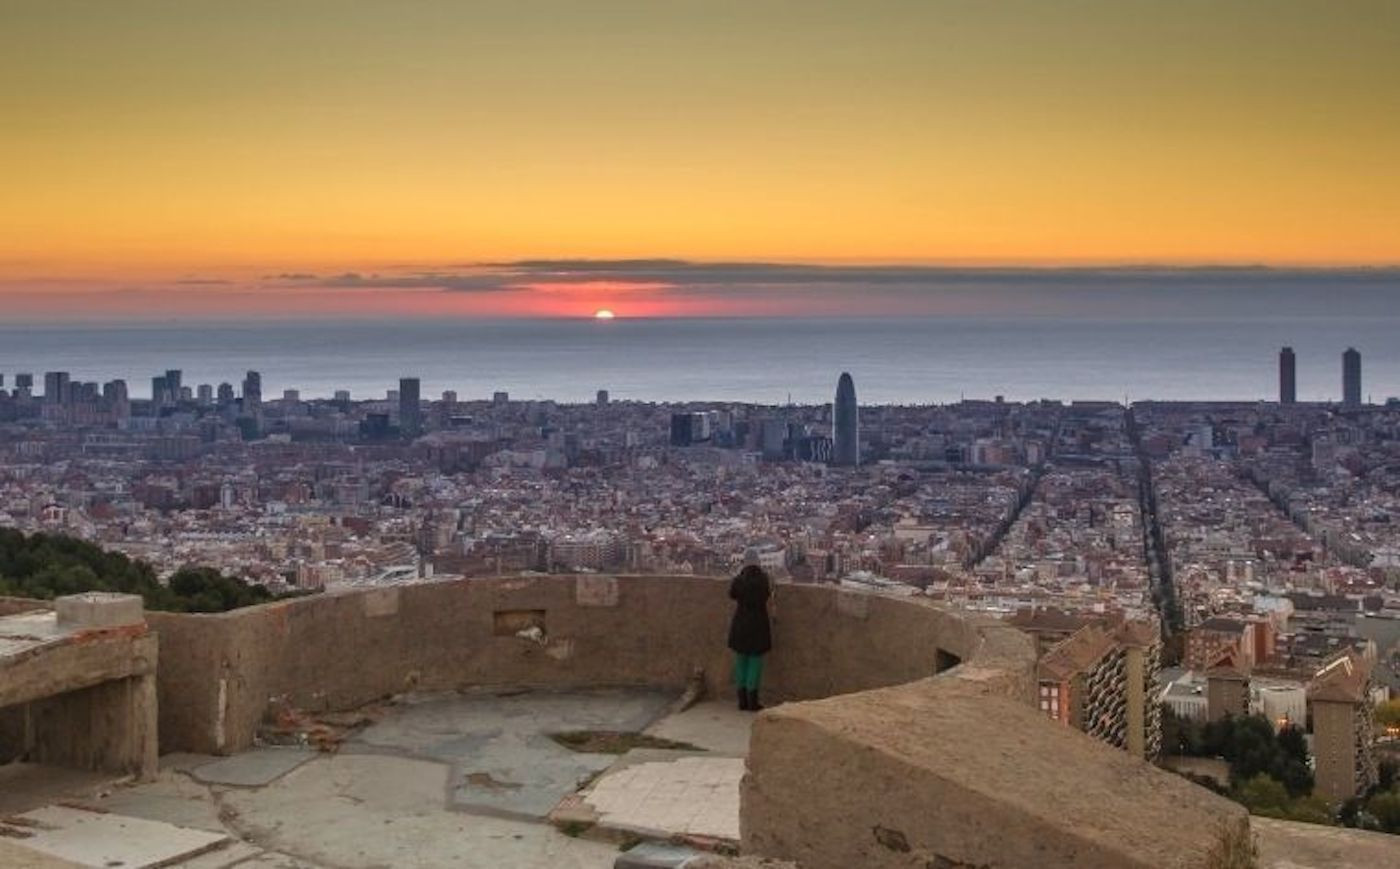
<point>846,424</point>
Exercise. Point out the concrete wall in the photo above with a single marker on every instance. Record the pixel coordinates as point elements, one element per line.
<point>338,651</point>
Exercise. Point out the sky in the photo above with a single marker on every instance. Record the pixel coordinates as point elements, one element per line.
<point>554,157</point>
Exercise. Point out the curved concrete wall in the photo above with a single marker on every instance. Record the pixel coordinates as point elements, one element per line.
<point>338,651</point>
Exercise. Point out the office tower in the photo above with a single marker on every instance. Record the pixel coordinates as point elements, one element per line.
<point>252,392</point>
<point>500,399</point>
<point>291,396</point>
<point>1287,376</point>
<point>160,391</point>
<point>342,396</point>
<point>225,393</point>
<point>206,394</point>
<point>846,424</point>
<point>24,381</point>
<point>449,397</point>
<point>56,387</point>
<point>174,378</point>
<point>1351,378</point>
<point>2,381</point>
<point>602,399</point>
<point>410,408</point>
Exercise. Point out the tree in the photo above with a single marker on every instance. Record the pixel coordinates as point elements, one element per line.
<point>45,566</point>
<point>1385,808</point>
<point>1388,714</point>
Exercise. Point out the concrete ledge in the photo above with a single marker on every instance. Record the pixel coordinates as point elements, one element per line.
<point>99,609</point>
<point>938,772</point>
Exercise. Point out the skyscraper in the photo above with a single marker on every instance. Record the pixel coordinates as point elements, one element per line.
<point>174,382</point>
<point>410,408</point>
<point>846,424</point>
<point>1287,376</point>
<point>56,387</point>
<point>1351,378</point>
<point>252,392</point>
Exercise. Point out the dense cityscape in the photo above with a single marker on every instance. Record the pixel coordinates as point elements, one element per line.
<point>1257,541</point>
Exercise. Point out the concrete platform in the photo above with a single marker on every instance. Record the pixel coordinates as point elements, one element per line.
<point>103,840</point>
<point>444,781</point>
<point>499,752</point>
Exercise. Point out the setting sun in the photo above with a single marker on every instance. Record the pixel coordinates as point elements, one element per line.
<point>603,314</point>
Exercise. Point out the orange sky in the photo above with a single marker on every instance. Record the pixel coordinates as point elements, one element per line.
<point>148,143</point>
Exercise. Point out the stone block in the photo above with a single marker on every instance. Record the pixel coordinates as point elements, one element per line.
<point>99,609</point>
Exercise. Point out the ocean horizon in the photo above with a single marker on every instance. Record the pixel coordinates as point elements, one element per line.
<point>919,360</point>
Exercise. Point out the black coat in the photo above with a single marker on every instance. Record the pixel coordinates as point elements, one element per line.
<point>749,631</point>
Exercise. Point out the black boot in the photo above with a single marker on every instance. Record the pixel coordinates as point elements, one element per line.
<point>743,700</point>
<point>753,704</point>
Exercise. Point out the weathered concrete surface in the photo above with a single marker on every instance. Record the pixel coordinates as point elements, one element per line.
<point>254,768</point>
<point>340,651</point>
<point>498,749</point>
<point>692,796</point>
<point>14,855</point>
<point>100,839</point>
<point>715,726</point>
<point>939,772</point>
<point>77,696</point>
<point>363,811</point>
<point>99,609</point>
<point>1288,845</point>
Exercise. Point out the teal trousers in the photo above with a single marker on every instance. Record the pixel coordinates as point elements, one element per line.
<point>748,669</point>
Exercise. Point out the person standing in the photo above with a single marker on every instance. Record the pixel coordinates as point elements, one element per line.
<point>750,631</point>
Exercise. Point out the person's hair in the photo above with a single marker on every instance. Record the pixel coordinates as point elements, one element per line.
<point>752,572</point>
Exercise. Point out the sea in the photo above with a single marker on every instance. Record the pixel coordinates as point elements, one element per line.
<point>908,360</point>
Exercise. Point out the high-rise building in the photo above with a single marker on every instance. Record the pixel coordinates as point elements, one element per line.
<point>846,424</point>
<point>24,381</point>
<point>160,391</point>
<point>1287,376</point>
<point>225,393</point>
<point>602,398</point>
<point>1351,378</point>
<point>206,394</point>
<point>1340,696</point>
<point>174,378</point>
<point>56,387</point>
<point>500,399</point>
<point>410,407</point>
<point>252,392</point>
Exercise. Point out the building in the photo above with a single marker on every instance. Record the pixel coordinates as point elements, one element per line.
<point>1340,696</point>
<point>1212,638</point>
<point>1287,376</point>
<point>845,427</point>
<point>602,398</point>
<point>55,387</point>
<point>1083,684</point>
<point>252,393</point>
<point>1351,377</point>
<point>410,407</point>
<point>1099,674</point>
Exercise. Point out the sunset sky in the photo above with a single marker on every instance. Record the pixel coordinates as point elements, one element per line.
<point>419,157</point>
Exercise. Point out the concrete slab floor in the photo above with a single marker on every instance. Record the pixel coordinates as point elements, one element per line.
<point>98,839</point>
<point>440,781</point>
<point>254,768</point>
<point>687,796</point>
<point>715,726</point>
<point>498,748</point>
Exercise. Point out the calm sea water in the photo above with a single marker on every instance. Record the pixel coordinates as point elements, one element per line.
<point>759,360</point>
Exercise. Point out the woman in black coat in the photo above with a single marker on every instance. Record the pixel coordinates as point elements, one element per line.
<point>750,632</point>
